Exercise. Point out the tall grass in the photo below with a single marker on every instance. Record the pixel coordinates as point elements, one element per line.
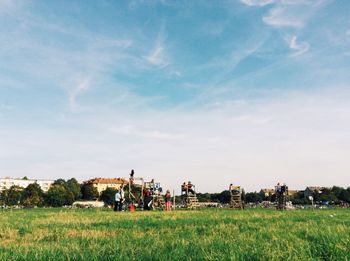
<point>213,234</point>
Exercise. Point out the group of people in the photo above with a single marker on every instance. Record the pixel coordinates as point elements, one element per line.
<point>187,188</point>
<point>281,189</point>
<point>148,200</point>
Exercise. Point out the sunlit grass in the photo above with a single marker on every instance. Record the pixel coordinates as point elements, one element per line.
<point>213,234</point>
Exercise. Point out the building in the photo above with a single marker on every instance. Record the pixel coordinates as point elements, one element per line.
<point>102,183</point>
<point>310,191</point>
<point>6,183</point>
<point>267,192</point>
<point>270,192</point>
<point>292,192</point>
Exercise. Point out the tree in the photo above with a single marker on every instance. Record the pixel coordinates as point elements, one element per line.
<point>56,196</point>
<point>71,190</point>
<point>108,196</point>
<point>73,187</point>
<point>89,192</point>
<point>225,197</point>
<point>253,197</point>
<point>32,195</point>
<point>345,195</point>
<point>299,198</point>
<point>61,182</point>
<point>12,196</point>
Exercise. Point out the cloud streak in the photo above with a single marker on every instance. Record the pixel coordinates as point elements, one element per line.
<point>281,17</point>
<point>257,2</point>
<point>299,48</point>
<point>157,56</point>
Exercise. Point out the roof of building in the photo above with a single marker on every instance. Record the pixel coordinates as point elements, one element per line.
<point>267,190</point>
<point>107,181</point>
<point>314,188</point>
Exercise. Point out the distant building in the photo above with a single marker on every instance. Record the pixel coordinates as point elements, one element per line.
<point>292,192</point>
<point>267,192</point>
<point>6,183</point>
<point>270,192</point>
<point>309,191</point>
<point>102,183</point>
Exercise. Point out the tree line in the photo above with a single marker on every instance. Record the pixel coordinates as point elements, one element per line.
<point>335,195</point>
<point>65,192</point>
<point>61,193</point>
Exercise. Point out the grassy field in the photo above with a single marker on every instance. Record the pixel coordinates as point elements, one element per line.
<point>212,234</point>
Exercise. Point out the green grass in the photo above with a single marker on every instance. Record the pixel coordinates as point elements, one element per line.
<point>212,234</point>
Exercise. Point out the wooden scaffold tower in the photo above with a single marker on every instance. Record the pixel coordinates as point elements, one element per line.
<point>154,192</point>
<point>136,188</point>
<point>281,196</point>
<point>236,197</point>
<point>189,191</point>
<point>145,195</point>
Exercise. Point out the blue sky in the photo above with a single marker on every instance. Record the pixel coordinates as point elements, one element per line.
<point>251,92</point>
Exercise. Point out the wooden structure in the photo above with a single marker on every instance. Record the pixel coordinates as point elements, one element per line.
<point>136,188</point>
<point>189,191</point>
<point>145,195</point>
<point>281,196</point>
<point>236,197</point>
<point>155,192</point>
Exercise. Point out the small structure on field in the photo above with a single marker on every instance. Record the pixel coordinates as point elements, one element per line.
<point>146,195</point>
<point>154,192</point>
<point>88,204</point>
<point>236,197</point>
<point>281,196</point>
<point>189,191</point>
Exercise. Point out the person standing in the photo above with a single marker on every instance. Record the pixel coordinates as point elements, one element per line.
<point>117,201</point>
<point>121,198</point>
<point>167,201</point>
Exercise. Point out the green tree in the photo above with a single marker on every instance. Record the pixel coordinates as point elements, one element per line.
<point>89,192</point>
<point>12,196</point>
<point>32,196</point>
<point>224,197</point>
<point>56,196</point>
<point>73,187</point>
<point>345,195</point>
<point>108,196</point>
<point>61,182</point>
<point>254,197</point>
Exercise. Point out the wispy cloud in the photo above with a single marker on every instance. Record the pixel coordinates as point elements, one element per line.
<point>82,86</point>
<point>298,47</point>
<point>257,2</point>
<point>157,56</point>
<point>149,134</point>
<point>6,107</point>
<point>280,17</point>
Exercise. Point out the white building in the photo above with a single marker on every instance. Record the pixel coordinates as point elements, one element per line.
<point>6,183</point>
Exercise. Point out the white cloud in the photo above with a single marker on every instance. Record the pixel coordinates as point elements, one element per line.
<point>82,86</point>
<point>281,17</point>
<point>149,134</point>
<point>257,2</point>
<point>6,107</point>
<point>298,47</point>
<point>157,56</point>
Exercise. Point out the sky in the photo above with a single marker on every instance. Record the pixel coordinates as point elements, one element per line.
<point>249,92</point>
